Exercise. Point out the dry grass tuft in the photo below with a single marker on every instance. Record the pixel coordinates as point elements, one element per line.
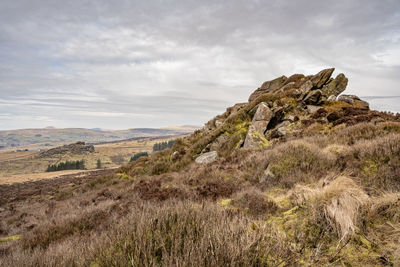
<point>341,201</point>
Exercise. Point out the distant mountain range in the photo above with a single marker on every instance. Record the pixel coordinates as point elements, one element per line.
<point>49,136</point>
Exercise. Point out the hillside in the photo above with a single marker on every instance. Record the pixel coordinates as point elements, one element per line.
<point>300,175</point>
<point>47,137</point>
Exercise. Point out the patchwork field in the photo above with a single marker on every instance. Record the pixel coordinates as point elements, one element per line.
<point>20,166</point>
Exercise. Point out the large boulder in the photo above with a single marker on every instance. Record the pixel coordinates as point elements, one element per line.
<point>322,77</point>
<point>348,98</point>
<point>255,139</point>
<point>336,86</point>
<point>207,158</point>
<point>262,117</point>
<point>268,86</point>
<point>353,99</point>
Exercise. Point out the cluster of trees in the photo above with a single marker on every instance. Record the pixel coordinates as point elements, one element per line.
<point>68,165</point>
<point>138,155</point>
<point>163,145</point>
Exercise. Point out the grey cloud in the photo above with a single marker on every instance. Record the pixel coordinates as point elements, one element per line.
<point>181,62</point>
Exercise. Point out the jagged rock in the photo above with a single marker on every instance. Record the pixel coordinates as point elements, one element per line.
<point>267,175</point>
<point>207,158</point>
<point>322,77</point>
<point>268,86</point>
<point>288,86</point>
<point>306,87</point>
<point>279,131</point>
<point>348,98</point>
<point>262,117</point>
<point>312,109</point>
<point>332,98</point>
<point>255,139</point>
<point>313,97</point>
<point>336,86</point>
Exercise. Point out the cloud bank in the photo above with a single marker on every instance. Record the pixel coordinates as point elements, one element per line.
<point>124,64</point>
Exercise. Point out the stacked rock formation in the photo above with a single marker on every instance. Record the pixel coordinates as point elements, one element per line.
<point>310,91</point>
<point>287,106</point>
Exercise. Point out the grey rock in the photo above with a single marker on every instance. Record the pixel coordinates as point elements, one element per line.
<point>306,87</point>
<point>322,77</point>
<point>207,158</point>
<point>279,130</point>
<point>332,98</point>
<point>262,117</point>
<point>313,97</point>
<point>288,86</point>
<point>312,109</point>
<point>254,139</point>
<point>336,86</point>
<point>348,98</point>
<point>268,86</point>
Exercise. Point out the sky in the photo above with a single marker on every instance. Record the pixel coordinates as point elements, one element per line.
<point>127,64</point>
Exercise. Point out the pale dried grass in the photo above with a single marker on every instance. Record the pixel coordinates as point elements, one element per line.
<point>341,200</point>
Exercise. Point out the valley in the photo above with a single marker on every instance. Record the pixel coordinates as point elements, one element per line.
<point>20,165</point>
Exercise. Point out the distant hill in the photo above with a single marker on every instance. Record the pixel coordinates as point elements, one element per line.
<point>50,136</point>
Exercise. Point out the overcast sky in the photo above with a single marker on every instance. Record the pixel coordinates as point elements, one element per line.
<point>125,64</point>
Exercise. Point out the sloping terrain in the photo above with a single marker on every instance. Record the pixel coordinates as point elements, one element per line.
<point>300,175</point>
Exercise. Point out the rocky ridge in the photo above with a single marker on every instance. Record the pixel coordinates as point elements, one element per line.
<point>76,148</point>
<point>287,105</point>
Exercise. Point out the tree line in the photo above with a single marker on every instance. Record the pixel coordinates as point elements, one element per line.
<point>163,145</point>
<point>138,155</point>
<point>68,165</point>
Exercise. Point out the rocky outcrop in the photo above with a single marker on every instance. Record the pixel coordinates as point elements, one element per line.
<point>284,108</point>
<point>336,86</point>
<point>255,135</point>
<point>262,117</point>
<point>207,158</point>
<point>77,148</point>
<point>267,87</point>
<point>255,139</point>
<point>318,80</point>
